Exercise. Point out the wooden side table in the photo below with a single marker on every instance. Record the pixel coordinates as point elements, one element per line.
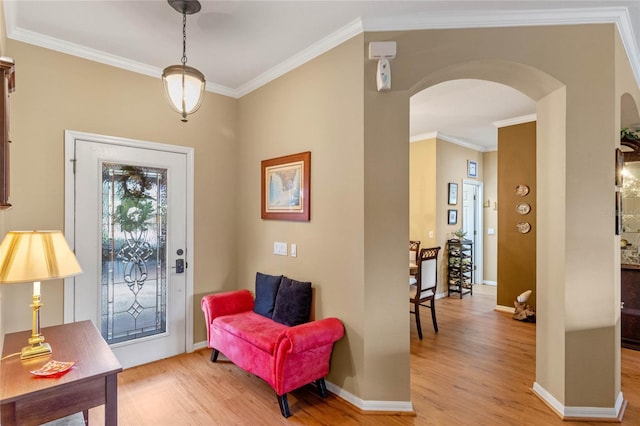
<point>29,400</point>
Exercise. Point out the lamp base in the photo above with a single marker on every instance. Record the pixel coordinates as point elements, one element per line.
<point>35,350</point>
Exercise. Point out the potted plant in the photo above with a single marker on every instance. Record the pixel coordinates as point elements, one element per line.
<point>627,134</point>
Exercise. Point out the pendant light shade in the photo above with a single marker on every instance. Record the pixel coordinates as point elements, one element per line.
<point>184,85</point>
<point>183,88</point>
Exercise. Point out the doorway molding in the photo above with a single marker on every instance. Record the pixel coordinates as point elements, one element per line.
<point>479,237</point>
<point>70,137</point>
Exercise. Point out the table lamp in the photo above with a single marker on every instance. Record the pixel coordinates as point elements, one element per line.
<point>36,256</point>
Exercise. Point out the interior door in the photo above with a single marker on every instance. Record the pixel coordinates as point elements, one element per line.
<point>130,239</point>
<point>469,219</point>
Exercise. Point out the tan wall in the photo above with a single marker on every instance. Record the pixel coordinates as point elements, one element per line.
<point>288,116</point>
<point>452,168</point>
<point>490,216</point>
<point>423,186</point>
<point>422,192</point>
<point>355,245</point>
<point>539,62</point>
<point>516,251</point>
<point>55,92</point>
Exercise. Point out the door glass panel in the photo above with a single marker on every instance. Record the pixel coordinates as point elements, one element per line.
<point>133,289</point>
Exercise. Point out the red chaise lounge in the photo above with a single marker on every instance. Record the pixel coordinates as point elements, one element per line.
<point>272,337</point>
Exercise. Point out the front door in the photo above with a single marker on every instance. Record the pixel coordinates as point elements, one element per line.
<point>130,213</point>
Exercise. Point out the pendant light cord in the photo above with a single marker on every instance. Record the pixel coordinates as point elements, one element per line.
<point>184,39</point>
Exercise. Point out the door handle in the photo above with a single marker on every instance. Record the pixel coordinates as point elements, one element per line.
<point>179,266</point>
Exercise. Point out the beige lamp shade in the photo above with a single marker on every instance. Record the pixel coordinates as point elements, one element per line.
<point>36,256</point>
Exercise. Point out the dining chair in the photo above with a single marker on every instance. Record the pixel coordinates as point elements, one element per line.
<point>414,251</point>
<point>424,290</point>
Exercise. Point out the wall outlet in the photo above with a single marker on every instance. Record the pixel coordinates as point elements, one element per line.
<point>430,234</point>
<point>294,250</point>
<point>280,248</point>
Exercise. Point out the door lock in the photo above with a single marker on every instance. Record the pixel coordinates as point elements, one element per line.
<point>179,266</point>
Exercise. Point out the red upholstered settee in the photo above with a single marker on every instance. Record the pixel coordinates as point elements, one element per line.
<point>286,357</point>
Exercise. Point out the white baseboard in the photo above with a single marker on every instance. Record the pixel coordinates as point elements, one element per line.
<point>507,309</point>
<point>199,345</point>
<point>364,405</point>
<point>391,406</point>
<point>576,413</point>
<point>493,283</point>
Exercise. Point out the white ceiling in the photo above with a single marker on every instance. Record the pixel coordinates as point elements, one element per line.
<point>241,45</point>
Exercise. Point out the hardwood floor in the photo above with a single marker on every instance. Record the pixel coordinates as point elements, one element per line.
<point>478,370</point>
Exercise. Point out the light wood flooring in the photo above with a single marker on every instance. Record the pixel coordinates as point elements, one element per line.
<point>478,370</point>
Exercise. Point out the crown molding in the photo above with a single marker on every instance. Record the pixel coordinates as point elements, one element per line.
<point>316,49</point>
<point>99,56</point>
<point>423,137</point>
<point>451,139</point>
<point>466,144</point>
<point>432,20</point>
<point>515,120</point>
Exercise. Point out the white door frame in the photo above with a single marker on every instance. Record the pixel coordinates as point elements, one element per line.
<point>70,136</point>
<point>478,249</point>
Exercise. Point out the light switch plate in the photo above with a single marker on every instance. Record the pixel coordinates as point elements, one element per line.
<point>294,250</point>
<point>280,248</point>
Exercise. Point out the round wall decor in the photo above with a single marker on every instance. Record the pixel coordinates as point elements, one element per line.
<point>522,190</point>
<point>523,227</point>
<point>523,208</point>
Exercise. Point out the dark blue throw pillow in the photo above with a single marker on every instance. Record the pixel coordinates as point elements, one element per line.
<point>293,302</point>
<point>266,290</point>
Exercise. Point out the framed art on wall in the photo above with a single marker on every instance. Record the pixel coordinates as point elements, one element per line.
<point>472,169</point>
<point>619,166</point>
<point>286,185</point>
<point>453,217</point>
<point>453,194</point>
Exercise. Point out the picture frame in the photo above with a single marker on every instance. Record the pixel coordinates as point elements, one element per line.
<point>286,188</point>
<point>472,169</point>
<point>619,167</point>
<point>618,212</point>
<point>453,193</point>
<point>452,217</point>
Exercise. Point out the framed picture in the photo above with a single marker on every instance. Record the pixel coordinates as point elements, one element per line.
<point>619,166</point>
<point>286,185</point>
<point>453,217</point>
<point>453,193</point>
<point>619,228</point>
<point>472,169</point>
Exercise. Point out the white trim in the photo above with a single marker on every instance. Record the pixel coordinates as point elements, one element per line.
<point>423,137</point>
<point>465,144</point>
<point>487,282</point>
<point>478,211</point>
<point>451,139</point>
<point>316,49</point>
<point>515,120</point>
<point>431,20</point>
<point>199,345</point>
<point>70,136</point>
<point>609,413</point>
<point>506,309</point>
<point>99,56</point>
<point>365,405</point>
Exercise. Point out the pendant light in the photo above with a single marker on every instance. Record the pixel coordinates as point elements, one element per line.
<point>184,85</point>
